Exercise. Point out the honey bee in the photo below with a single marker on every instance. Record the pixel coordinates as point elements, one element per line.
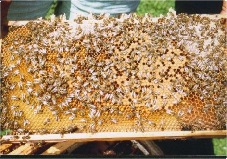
<point>72,129</point>
<point>72,116</point>
<point>15,98</point>
<point>43,131</point>
<point>16,137</point>
<point>27,137</point>
<point>180,113</point>
<point>12,86</point>
<point>20,131</point>
<point>169,111</point>
<point>13,107</point>
<point>46,121</point>
<point>92,127</point>
<point>113,120</point>
<point>5,74</point>
<point>26,122</point>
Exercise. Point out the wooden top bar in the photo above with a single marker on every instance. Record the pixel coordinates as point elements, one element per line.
<point>24,22</point>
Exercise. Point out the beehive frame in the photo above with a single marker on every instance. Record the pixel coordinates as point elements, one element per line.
<point>136,130</point>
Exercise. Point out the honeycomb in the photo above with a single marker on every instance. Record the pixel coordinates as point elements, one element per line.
<point>107,74</point>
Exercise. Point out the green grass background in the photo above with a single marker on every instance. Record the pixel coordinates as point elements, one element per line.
<point>156,8</point>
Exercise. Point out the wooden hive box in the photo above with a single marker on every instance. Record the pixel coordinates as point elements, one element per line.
<point>105,78</point>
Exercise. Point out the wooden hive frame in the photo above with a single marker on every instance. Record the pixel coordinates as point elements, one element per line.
<point>115,136</point>
<point>42,149</point>
<point>111,136</point>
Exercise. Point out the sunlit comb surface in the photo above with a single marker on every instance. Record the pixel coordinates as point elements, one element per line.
<point>105,74</point>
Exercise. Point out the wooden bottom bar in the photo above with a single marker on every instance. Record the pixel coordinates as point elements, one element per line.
<point>116,136</point>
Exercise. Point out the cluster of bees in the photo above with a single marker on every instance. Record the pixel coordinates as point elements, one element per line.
<point>101,73</point>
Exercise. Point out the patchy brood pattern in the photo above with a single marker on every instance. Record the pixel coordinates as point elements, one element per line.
<point>97,71</point>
